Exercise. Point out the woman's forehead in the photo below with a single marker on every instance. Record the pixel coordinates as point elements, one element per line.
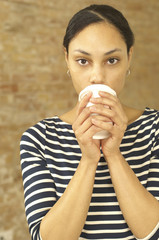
<point>102,36</point>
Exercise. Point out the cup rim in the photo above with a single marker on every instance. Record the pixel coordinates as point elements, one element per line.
<point>96,87</point>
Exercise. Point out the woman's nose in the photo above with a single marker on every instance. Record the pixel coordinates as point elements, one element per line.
<point>97,76</point>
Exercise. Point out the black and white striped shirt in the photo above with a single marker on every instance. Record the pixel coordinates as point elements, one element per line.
<point>50,155</point>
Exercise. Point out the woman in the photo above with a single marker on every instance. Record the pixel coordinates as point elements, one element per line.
<point>80,188</point>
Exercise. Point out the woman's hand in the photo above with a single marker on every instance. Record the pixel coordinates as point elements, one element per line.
<point>109,109</point>
<point>84,130</point>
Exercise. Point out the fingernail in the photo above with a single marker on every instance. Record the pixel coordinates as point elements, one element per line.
<point>102,93</point>
<point>93,108</point>
<point>92,99</point>
<point>106,106</point>
<point>94,120</point>
<point>88,94</point>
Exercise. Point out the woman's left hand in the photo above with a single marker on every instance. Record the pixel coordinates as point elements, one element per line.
<point>109,109</point>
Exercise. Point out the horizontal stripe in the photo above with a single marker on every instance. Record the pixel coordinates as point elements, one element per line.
<point>39,191</point>
<point>36,183</point>
<point>104,222</point>
<point>39,201</point>
<point>105,231</point>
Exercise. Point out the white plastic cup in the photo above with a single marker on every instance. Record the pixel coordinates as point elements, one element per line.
<point>95,88</point>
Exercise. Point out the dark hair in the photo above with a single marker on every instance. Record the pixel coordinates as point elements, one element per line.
<point>95,14</point>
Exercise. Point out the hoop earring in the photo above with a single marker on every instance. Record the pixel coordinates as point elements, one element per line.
<point>68,73</point>
<point>128,72</point>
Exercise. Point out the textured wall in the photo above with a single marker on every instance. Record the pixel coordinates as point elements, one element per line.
<point>34,84</point>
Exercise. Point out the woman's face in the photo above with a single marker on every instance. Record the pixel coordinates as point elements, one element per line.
<point>98,55</point>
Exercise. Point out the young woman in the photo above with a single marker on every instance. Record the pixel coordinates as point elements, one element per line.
<point>79,188</point>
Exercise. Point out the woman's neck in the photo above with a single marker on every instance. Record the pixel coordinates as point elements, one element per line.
<point>70,116</point>
<point>131,113</point>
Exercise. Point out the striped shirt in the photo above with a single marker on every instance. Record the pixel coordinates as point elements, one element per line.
<point>50,155</point>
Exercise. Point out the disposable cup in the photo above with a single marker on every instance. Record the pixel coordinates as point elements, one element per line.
<point>95,88</point>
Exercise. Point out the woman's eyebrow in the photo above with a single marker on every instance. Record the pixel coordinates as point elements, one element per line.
<point>106,53</point>
<point>82,51</point>
<point>113,50</point>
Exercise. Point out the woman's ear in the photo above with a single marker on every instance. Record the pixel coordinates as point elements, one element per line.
<point>66,55</point>
<point>130,54</point>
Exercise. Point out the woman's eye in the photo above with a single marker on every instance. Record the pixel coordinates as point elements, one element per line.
<point>82,61</point>
<point>112,61</point>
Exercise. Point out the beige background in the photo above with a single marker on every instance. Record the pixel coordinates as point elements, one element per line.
<point>34,84</point>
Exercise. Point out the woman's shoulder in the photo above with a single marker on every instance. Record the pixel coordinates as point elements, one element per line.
<point>147,116</point>
<point>134,114</point>
<point>48,124</point>
<point>69,117</point>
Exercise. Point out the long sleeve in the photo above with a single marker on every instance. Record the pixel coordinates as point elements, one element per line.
<point>152,184</point>
<point>153,176</point>
<point>39,187</point>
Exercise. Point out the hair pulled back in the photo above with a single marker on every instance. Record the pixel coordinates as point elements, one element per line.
<point>96,14</point>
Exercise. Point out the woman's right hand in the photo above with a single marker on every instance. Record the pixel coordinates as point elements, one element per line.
<point>84,131</point>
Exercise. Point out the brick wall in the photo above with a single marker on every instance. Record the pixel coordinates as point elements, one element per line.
<point>34,84</point>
